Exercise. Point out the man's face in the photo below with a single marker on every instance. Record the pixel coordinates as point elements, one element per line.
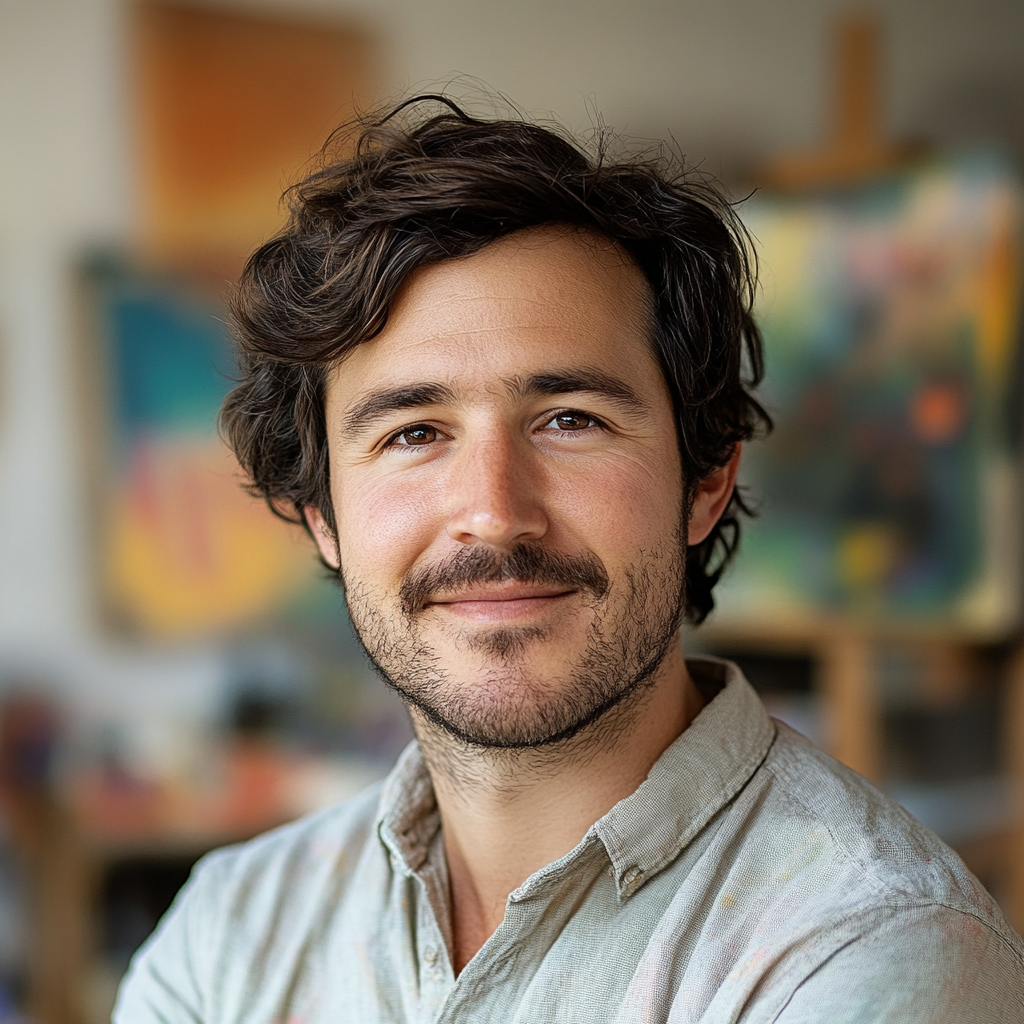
<point>507,490</point>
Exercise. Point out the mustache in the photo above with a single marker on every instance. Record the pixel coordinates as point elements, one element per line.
<point>525,563</point>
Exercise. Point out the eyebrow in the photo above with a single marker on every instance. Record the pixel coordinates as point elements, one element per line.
<point>387,400</point>
<point>585,379</point>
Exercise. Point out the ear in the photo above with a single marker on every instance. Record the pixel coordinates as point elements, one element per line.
<point>711,497</point>
<point>325,539</point>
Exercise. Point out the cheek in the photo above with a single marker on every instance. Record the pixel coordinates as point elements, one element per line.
<point>384,526</point>
<point>627,505</point>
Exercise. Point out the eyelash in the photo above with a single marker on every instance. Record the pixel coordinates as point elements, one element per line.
<point>392,441</point>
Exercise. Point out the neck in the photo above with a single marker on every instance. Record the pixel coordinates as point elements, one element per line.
<point>507,814</point>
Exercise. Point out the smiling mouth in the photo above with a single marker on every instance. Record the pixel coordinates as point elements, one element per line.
<point>501,602</point>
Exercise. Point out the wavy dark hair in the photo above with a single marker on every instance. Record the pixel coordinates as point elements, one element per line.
<point>426,182</point>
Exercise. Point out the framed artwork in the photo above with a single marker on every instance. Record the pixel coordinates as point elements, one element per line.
<point>183,549</point>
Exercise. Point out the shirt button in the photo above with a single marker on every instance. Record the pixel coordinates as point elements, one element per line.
<point>430,954</point>
<point>631,876</point>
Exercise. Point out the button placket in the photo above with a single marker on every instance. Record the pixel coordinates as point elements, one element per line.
<point>436,977</point>
<point>476,993</point>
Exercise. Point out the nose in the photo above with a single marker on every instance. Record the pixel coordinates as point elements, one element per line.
<point>495,494</point>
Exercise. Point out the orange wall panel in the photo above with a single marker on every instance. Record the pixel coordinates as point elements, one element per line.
<point>230,108</point>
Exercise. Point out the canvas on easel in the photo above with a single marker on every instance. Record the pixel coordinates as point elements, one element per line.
<point>890,312</point>
<point>890,303</point>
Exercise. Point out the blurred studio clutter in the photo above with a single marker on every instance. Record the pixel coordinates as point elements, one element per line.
<point>177,672</point>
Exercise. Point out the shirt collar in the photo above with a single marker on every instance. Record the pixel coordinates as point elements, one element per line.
<point>408,818</point>
<point>692,781</point>
<point>689,784</point>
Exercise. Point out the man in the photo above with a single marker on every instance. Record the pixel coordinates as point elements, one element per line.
<point>501,382</point>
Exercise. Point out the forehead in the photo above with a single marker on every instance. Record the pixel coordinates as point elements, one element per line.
<point>549,298</point>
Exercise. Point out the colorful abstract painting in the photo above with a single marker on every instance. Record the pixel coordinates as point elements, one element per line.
<point>890,318</point>
<point>185,551</point>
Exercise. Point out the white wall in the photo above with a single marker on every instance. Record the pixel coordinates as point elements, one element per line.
<point>729,78</point>
<point>732,80</point>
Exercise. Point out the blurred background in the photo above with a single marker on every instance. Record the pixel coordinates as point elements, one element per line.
<point>175,673</point>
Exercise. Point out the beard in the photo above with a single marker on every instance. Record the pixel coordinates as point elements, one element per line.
<point>507,705</point>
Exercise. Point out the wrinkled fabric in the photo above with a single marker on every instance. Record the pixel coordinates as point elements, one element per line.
<point>749,878</point>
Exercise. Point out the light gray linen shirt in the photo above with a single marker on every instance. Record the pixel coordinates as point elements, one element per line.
<point>749,878</point>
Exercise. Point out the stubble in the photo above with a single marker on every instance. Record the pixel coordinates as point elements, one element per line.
<point>507,706</point>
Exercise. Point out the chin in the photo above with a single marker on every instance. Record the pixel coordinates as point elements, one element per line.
<point>506,644</point>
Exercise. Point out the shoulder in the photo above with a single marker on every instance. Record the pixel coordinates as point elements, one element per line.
<point>871,835</point>
<point>879,860</point>
<point>283,883</point>
<point>849,906</point>
<point>295,856</point>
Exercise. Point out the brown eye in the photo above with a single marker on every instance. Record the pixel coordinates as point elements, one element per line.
<point>571,420</point>
<point>412,437</point>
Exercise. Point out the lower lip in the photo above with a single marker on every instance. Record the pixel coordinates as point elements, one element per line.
<point>502,611</point>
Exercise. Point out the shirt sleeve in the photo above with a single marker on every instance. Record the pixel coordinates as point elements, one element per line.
<point>166,982</point>
<point>927,965</point>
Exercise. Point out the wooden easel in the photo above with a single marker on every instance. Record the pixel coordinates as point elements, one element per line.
<point>1014,738</point>
<point>845,651</point>
<point>856,148</point>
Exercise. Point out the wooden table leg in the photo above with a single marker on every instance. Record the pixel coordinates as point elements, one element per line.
<point>1015,765</point>
<point>62,925</point>
<point>847,685</point>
